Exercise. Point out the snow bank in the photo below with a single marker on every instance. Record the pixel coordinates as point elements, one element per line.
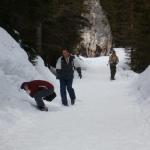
<point>44,71</point>
<point>141,90</point>
<point>123,70</point>
<point>15,69</point>
<point>143,85</point>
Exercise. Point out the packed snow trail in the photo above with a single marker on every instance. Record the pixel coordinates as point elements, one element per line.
<point>105,117</point>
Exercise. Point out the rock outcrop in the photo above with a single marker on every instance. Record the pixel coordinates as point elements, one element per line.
<point>97,38</point>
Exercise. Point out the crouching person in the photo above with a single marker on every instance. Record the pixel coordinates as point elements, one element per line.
<point>40,90</point>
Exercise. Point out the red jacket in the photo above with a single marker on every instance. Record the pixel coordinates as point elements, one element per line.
<point>36,85</point>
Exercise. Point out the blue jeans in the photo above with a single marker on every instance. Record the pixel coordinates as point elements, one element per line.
<point>66,85</point>
<point>40,95</point>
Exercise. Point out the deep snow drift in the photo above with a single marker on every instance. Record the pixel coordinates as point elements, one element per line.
<point>143,85</point>
<point>15,69</point>
<point>141,88</point>
<point>106,116</point>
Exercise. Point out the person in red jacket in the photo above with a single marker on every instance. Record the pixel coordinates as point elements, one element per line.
<point>40,90</point>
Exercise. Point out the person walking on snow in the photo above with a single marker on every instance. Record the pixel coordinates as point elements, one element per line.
<point>65,73</point>
<point>113,61</point>
<point>40,90</point>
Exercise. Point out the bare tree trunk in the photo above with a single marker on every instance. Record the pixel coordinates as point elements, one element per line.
<point>39,37</point>
<point>109,45</point>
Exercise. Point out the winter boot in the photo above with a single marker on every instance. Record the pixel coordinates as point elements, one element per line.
<point>43,108</point>
<point>72,101</point>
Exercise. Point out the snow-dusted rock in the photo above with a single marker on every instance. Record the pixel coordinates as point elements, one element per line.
<point>99,33</point>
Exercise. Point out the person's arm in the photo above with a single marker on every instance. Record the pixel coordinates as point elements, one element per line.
<point>42,86</point>
<point>58,68</point>
<point>27,89</point>
<point>78,67</point>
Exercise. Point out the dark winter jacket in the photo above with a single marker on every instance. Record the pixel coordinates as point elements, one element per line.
<point>65,70</point>
<point>37,85</point>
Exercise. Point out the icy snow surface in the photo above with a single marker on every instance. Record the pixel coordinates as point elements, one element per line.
<point>106,116</point>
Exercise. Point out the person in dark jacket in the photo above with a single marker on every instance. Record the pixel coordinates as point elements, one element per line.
<point>65,73</point>
<point>113,61</point>
<point>39,90</point>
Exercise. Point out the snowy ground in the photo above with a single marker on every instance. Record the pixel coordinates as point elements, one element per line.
<point>107,115</point>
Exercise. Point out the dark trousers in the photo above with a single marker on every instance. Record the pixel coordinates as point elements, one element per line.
<point>66,85</point>
<point>41,94</point>
<point>112,71</point>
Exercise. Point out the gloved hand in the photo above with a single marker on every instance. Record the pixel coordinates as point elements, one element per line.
<point>80,75</point>
<point>79,72</point>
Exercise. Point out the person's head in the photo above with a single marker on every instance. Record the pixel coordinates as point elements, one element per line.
<point>24,86</point>
<point>113,52</point>
<point>66,53</point>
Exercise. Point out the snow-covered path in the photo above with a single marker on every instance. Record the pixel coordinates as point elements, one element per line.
<point>105,117</point>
